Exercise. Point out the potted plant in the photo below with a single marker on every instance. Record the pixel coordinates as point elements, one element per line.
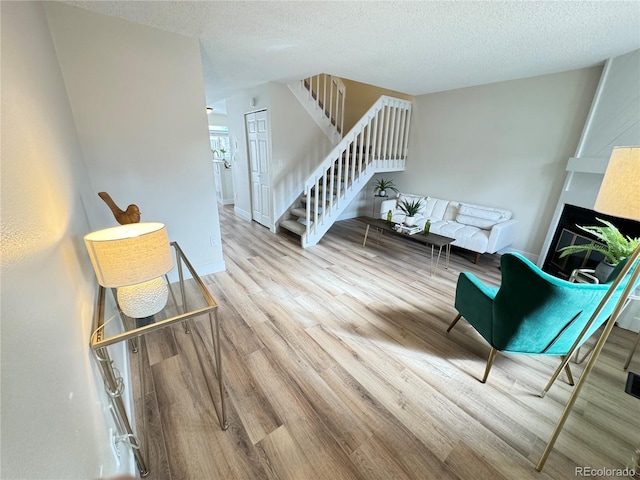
<point>382,185</point>
<point>616,247</point>
<point>410,208</point>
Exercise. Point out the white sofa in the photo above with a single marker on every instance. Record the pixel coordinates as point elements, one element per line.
<point>474,227</point>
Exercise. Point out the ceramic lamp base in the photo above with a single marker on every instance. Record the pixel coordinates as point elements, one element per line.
<point>143,299</point>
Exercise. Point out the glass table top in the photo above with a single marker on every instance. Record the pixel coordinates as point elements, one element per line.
<point>188,298</point>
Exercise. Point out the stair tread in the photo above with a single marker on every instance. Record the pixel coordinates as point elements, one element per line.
<point>299,212</point>
<point>293,226</point>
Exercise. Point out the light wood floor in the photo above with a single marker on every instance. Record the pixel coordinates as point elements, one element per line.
<point>337,366</point>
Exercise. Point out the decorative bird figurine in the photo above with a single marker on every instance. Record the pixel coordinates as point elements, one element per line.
<point>130,215</point>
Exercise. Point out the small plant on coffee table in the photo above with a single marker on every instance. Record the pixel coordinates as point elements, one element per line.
<point>410,208</point>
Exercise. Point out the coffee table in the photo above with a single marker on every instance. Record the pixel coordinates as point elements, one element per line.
<point>430,239</point>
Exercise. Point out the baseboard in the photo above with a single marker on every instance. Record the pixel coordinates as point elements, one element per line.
<point>347,216</point>
<point>242,213</point>
<point>209,268</point>
<point>203,269</point>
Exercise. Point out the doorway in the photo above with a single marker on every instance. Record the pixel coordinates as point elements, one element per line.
<point>257,128</point>
<point>222,166</point>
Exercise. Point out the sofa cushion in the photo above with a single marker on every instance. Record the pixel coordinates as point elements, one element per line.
<point>480,212</point>
<point>479,216</point>
<point>439,207</point>
<point>475,221</point>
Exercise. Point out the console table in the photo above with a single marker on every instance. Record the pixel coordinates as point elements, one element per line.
<point>194,301</point>
<point>432,239</point>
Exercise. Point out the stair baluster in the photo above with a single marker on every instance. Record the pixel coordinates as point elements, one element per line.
<point>378,142</point>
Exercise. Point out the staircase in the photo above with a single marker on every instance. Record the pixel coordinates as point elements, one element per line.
<point>323,97</point>
<point>377,143</point>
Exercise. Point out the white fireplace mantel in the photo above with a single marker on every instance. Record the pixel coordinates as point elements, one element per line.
<point>596,165</point>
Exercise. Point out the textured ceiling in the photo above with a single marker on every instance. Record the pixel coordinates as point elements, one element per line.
<point>411,47</point>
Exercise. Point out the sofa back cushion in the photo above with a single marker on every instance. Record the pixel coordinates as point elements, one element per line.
<point>481,217</point>
<point>435,208</point>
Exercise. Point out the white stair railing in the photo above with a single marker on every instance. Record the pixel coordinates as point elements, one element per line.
<point>377,143</point>
<point>328,92</point>
<point>323,97</point>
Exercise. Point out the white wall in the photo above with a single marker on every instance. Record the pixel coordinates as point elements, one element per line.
<point>137,95</point>
<point>503,145</point>
<point>614,120</point>
<point>217,119</point>
<point>52,420</point>
<point>297,145</point>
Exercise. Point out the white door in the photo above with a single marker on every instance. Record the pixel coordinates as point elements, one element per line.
<point>258,146</point>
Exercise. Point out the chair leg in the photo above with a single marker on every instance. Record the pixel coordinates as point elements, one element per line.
<point>477,258</point>
<point>567,370</point>
<point>564,365</point>
<point>492,355</point>
<point>453,324</point>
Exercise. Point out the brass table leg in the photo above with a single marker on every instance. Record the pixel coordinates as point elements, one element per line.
<point>438,259</point>
<point>366,234</point>
<point>114,388</point>
<point>431,266</point>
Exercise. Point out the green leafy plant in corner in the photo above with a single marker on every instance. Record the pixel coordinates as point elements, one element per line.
<point>382,185</point>
<point>410,207</point>
<point>616,247</point>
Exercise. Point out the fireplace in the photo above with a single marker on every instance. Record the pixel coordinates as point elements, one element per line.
<point>567,233</point>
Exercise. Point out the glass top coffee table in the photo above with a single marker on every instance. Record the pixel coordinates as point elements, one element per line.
<point>432,239</point>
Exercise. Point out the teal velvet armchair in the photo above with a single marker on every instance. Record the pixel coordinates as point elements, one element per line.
<point>531,312</point>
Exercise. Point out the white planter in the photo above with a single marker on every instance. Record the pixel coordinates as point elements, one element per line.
<point>409,221</point>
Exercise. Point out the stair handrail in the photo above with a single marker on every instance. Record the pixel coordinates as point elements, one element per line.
<point>383,101</point>
<point>392,144</point>
<point>336,116</point>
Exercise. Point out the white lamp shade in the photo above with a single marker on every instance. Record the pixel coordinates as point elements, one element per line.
<point>129,254</point>
<point>620,190</point>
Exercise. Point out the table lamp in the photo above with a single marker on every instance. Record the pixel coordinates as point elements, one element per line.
<point>133,258</point>
<point>619,196</point>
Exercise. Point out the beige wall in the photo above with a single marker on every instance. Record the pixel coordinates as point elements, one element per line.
<point>89,103</point>
<point>53,425</point>
<point>137,95</point>
<point>503,145</point>
<point>360,97</point>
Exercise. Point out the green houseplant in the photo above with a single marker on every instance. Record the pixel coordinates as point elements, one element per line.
<point>616,247</point>
<point>410,208</point>
<point>382,185</point>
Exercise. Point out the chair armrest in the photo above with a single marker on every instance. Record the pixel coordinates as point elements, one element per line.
<point>474,300</point>
<point>387,205</point>
<point>501,235</point>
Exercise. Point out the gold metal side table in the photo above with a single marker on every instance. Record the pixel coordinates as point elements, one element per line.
<point>194,300</point>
